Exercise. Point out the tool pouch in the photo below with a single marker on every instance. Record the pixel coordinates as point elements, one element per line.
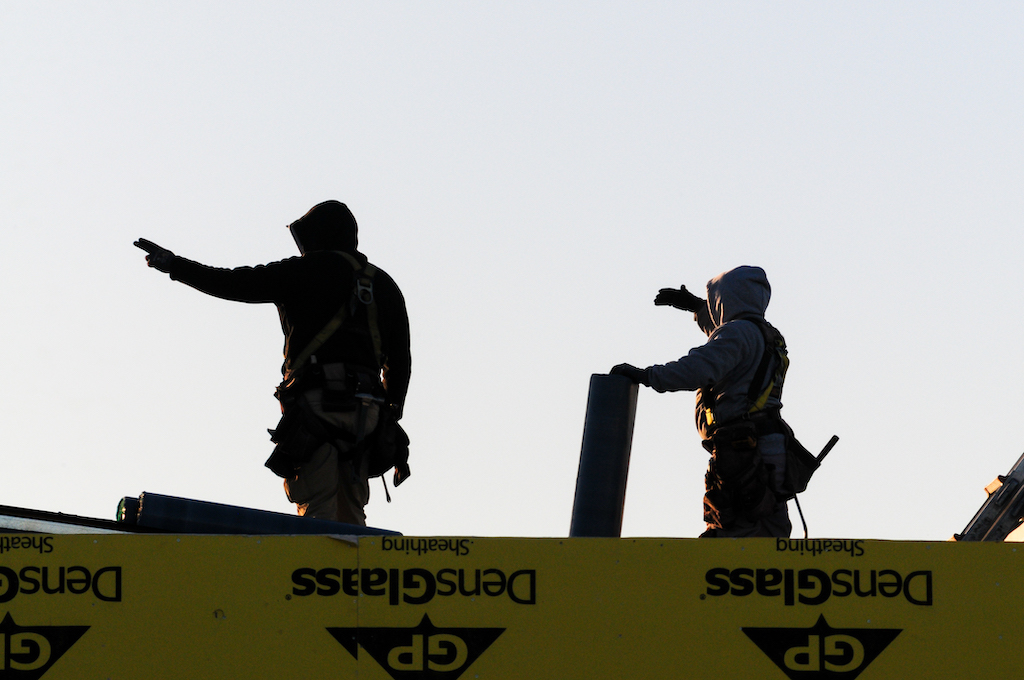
<point>388,447</point>
<point>298,434</point>
<point>800,465</point>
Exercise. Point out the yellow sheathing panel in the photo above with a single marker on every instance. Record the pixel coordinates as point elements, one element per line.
<point>128,606</point>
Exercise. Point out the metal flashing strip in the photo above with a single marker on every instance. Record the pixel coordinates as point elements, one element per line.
<point>14,519</point>
<point>19,525</point>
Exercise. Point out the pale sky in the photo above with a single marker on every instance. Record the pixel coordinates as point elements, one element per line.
<point>530,173</point>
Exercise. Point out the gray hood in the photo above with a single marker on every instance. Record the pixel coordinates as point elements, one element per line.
<point>740,292</point>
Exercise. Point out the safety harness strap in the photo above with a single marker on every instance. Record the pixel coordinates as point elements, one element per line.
<point>759,392</point>
<point>362,293</point>
<point>774,347</point>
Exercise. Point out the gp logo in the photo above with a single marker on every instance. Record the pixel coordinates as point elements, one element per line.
<point>27,652</point>
<point>422,652</point>
<point>822,652</point>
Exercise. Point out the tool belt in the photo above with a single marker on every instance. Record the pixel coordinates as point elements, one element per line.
<point>300,432</point>
<point>742,435</point>
<point>345,386</point>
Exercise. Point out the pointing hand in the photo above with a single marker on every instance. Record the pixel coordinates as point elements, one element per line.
<point>158,258</point>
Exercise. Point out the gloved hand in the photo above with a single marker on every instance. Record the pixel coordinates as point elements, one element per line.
<point>680,299</point>
<point>637,375</point>
<point>158,258</point>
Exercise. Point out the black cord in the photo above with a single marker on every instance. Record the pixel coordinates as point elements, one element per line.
<point>820,457</point>
<point>800,510</point>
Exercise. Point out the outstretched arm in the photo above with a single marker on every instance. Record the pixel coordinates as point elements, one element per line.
<point>263,283</point>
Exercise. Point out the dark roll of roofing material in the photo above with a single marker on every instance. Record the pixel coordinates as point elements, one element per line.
<point>604,458</point>
<point>185,516</point>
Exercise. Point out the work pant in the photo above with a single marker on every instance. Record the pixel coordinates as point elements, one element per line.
<point>333,484</point>
<point>741,498</point>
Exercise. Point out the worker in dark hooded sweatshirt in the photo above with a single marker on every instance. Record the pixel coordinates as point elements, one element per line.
<point>738,375</point>
<point>347,360</point>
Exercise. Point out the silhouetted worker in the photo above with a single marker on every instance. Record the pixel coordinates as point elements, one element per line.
<point>346,349</point>
<point>738,377</point>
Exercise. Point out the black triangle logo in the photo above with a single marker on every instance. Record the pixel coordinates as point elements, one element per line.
<point>30,651</point>
<point>421,652</point>
<point>822,652</point>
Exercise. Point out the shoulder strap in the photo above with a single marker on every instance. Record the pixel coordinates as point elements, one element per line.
<point>364,293</point>
<point>774,347</point>
<point>317,342</point>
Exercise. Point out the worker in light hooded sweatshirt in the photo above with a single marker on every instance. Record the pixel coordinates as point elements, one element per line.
<point>738,377</point>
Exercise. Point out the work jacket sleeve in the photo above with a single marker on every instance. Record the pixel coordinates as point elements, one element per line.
<point>264,283</point>
<point>731,350</point>
<point>703,318</point>
<point>394,321</point>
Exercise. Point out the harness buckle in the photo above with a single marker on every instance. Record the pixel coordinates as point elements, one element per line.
<point>364,292</point>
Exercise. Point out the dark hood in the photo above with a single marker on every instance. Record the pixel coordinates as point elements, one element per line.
<point>327,226</point>
<point>740,292</point>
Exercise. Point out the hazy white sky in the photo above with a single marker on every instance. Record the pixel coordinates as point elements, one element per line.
<point>530,173</point>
